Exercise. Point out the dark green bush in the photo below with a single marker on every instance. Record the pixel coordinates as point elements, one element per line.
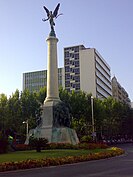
<point>38,143</point>
<point>86,139</point>
<point>61,146</point>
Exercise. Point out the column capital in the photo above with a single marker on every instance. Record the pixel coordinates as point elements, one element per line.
<point>52,38</point>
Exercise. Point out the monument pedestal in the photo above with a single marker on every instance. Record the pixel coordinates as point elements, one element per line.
<point>48,130</point>
<point>64,135</point>
<point>46,126</point>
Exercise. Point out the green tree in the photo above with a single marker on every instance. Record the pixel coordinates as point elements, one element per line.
<point>3,111</point>
<point>99,116</point>
<point>126,126</point>
<point>30,107</point>
<point>65,96</point>
<point>80,109</point>
<point>114,111</point>
<point>41,95</point>
<point>14,112</point>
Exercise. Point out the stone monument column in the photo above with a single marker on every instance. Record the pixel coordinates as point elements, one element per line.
<point>52,70</point>
<point>53,125</point>
<point>52,98</point>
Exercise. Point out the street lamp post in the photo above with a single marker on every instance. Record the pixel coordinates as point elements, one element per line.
<point>92,116</point>
<point>27,127</point>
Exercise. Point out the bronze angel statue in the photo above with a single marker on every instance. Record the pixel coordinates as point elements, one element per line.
<point>51,15</point>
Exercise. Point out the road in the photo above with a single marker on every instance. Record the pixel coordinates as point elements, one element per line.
<point>121,166</point>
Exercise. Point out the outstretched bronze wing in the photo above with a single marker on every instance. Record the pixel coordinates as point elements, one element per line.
<point>56,10</point>
<point>47,11</point>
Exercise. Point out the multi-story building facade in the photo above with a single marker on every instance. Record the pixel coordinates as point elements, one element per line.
<point>33,81</point>
<point>119,93</point>
<point>86,70</point>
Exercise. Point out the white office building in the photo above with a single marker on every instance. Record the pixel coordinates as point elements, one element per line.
<point>33,81</point>
<point>86,70</point>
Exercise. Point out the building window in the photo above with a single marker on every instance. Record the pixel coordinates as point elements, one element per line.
<point>76,63</point>
<point>76,49</point>
<point>71,55</point>
<point>77,86</point>
<point>67,61</point>
<point>66,54</point>
<point>76,70</point>
<point>76,56</point>
<point>67,84</point>
<point>67,76</point>
<point>68,89</point>
<point>67,69</point>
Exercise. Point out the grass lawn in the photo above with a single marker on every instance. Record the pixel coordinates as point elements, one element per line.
<point>32,154</point>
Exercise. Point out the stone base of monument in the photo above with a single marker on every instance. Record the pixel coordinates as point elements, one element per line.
<point>57,135</point>
<point>64,135</point>
<point>47,129</point>
<point>44,130</point>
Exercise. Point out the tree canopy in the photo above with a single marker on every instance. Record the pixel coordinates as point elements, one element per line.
<point>111,117</point>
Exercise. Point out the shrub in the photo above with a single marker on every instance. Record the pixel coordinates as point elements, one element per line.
<point>38,143</point>
<point>61,146</point>
<point>86,139</point>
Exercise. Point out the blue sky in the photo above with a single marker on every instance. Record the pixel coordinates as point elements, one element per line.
<point>106,25</point>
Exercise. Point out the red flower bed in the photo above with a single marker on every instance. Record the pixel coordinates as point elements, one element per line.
<point>92,146</point>
<point>22,147</point>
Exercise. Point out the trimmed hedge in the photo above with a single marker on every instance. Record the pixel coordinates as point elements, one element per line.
<point>59,161</point>
<point>21,147</point>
